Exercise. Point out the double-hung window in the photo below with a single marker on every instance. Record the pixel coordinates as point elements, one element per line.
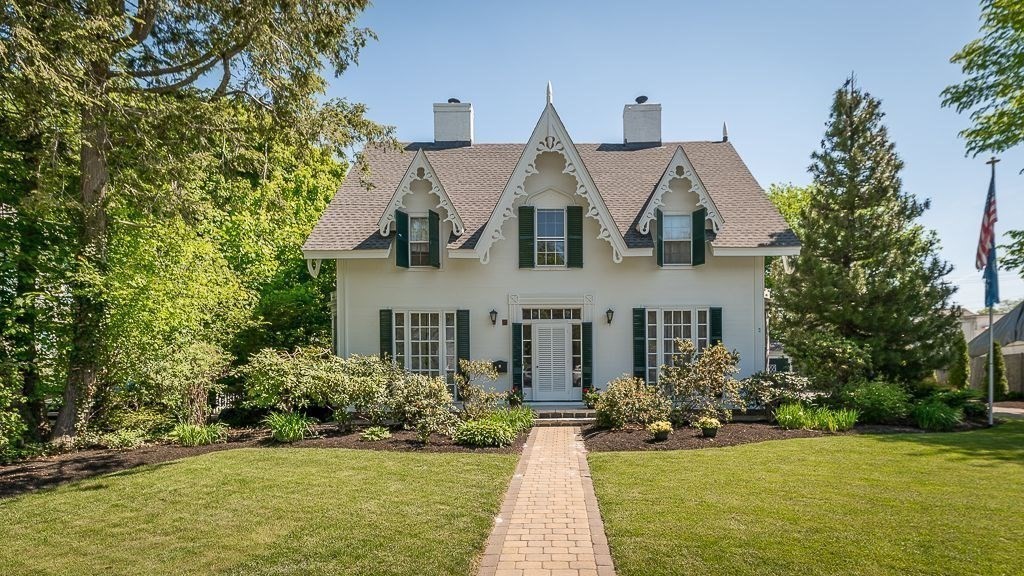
<point>664,326</point>
<point>424,343</point>
<point>550,237</point>
<point>677,237</point>
<point>419,241</point>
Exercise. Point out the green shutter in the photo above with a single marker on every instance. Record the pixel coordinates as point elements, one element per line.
<point>386,340</point>
<point>716,325</point>
<point>526,237</point>
<point>574,236</point>
<point>434,225</point>
<point>660,238</point>
<point>461,337</point>
<point>517,354</point>
<point>588,354</point>
<point>401,239</point>
<point>698,246</point>
<point>640,343</point>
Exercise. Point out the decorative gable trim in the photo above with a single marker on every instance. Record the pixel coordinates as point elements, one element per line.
<point>678,167</point>
<point>550,135</point>
<point>420,169</point>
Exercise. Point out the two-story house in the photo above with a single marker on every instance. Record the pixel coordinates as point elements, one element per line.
<point>573,263</point>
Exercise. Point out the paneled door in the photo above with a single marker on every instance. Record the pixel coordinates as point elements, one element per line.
<point>551,370</point>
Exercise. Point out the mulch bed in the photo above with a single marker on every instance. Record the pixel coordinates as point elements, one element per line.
<point>601,440</point>
<point>49,471</point>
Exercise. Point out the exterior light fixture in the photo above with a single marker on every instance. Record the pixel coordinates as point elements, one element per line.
<point>494,317</point>
<point>609,314</point>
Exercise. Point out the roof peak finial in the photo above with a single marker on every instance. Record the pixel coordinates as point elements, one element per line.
<point>549,92</point>
<point>725,132</point>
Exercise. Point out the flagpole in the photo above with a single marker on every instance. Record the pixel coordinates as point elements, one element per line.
<point>991,338</point>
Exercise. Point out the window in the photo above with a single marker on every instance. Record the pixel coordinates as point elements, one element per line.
<point>664,326</point>
<point>425,344</point>
<point>419,241</point>
<point>550,237</point>
<point>527,356</point>
<point>676,239</point>
<point>577,355</point>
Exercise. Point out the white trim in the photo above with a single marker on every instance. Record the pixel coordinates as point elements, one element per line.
<point>462,253</point>
<point>516,303</point>
<point>756,251</point>
<point>657,200</point>
<point>413,172</point>
<point>346,254</point>
<point>313,266</point>
<point>550,135</point>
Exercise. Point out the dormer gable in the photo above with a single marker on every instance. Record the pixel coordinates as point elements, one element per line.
<point>420,172</point>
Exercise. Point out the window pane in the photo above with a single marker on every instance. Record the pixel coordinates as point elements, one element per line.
<point>418,230</point>
<point>677,228</point>
<point>419,254</point>
<point>550,223</point>
<point>677,252</point>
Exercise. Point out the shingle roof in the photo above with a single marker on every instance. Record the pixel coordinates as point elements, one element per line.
<point>474,177</point>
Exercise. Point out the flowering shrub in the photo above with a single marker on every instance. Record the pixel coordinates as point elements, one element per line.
<point>660,429</point>
<point>628,401</point>
<point>703,384</point>
<point>476,401</point>
<point>707,423</point>
<point>769,390</point>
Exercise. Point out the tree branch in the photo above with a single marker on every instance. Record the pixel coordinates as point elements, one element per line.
<point>225,79</point>
<point>142,22</point>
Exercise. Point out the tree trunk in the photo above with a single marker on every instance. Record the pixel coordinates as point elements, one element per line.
<point>88,306</point>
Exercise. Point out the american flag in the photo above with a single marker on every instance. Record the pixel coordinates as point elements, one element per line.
<point>986,257</point>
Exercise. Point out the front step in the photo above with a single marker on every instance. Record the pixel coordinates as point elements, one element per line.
<point>563,416</point>
<point>581,422</point>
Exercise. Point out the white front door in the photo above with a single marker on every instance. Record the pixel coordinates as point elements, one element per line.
<point>551,370</point>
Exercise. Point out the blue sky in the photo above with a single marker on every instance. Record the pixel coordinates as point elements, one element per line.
<point>767,68</point>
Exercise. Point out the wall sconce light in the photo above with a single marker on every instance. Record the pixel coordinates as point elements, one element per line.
<point>494,317</point>
<point>609,314</point>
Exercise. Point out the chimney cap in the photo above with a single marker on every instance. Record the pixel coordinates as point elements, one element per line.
<point>641,99</point>
<point>454,101</point>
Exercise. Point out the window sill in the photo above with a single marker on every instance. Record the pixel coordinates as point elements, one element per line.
<point>678,266</point>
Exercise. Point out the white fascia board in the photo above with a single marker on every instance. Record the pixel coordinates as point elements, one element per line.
<point>756,251</point>
<point>345,254</point>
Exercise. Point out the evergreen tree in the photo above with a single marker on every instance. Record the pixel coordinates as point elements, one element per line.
<point>1002,385</point>
<point>868,295</point>
<point>960,369</point>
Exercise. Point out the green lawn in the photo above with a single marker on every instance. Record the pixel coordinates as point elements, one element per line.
<point>263,511</point>
<point>893,504</point>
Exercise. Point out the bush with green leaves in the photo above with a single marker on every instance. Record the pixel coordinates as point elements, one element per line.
<point>630,402</point>
<point>707,423</point>
<point>368,383</point>
<point>975,410</point>
<point>935,416</point>
<point>519,419</point>
<point>660,428</point>
<point>289,427</point>
<point>769,390</point>
<point>184,377</point>
<point>702,384</point>
<point>878,402</point>
<point>12,427</point>
<point>827,359</point>
<point>484,433</point>
<point>290,381</point>
<point>477,402</point>
<point>122,439</point>
<point>958,397</point>
<point>797,416</point>
<point>187,434</point>
<point>375,434</point>
<point>424,404</point>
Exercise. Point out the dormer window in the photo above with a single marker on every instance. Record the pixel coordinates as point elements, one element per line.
<point>550,237</point>
<point>677,239</point>
<point>419,241</point>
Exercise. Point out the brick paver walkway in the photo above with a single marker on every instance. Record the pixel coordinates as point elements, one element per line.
<point>549,524</point>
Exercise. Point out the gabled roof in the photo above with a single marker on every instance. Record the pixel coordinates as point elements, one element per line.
<point>420,169</point>
<point>625,176</point>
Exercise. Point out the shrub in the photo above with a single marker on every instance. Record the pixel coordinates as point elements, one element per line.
<point>185,376</point>
<point>975,410</point>
<point>960,368</point>
<point>123,439</point>
<point>423,404</point>
<point>707,422</point>
<point>935,416</point>
<point>957,398</point>
<point>702,384</point>
<point>488,432</point>
<point>477,402</point>
<point>1001,384</point>
<point>242,416</point>
<point>828,359</point>
<point>878,402</point>
<point>375,433</point>
<point>518,419</point>
<point>660,427</point>
<point>289,426</point>
<point>791,416</point>
<point>628,401</point>
<point>12,427</point>
<point>798,416</point>
<point>289,381</point>
<point>769,390</point>
<point>199,434</point>
<point>590,397</point>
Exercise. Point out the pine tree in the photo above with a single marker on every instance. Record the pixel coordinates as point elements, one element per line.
<point>868,295</point>
<point>1002,385</point>
<point>960,369</point>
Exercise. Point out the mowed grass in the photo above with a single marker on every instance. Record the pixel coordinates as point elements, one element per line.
<point>858,505</point>
<point>263,511</point>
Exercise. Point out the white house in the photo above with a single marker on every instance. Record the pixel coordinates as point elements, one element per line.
<point>571,263</point>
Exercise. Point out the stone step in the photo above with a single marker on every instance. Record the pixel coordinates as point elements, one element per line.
<point>563,422</point>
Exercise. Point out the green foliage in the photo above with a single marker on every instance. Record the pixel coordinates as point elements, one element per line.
<point>482,433</point>
<point>368,381</point>
<point>122,439</point>
<point>519,419</point>
<point>791,201</point>
<point>702,384</point>
<point>975,410</point>
<point>960,369</point>
<point>659,430</point>
<point>878,402</point>
<point>957,397</point>
<point>868,294</point>
<point>629,401</point>
<point>591,397</point>
<point>1001,386</point>
<point>423,404</point>
<point>12,427</point>
<point>289,426</point>
<point>375,434</point>
<point>187,434</point>
<point>289,381</point>
<point>935,416</point>
<point>476,401</point>
<point>798,416</point>
<point>768,390</point>
<point>707,423</point>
